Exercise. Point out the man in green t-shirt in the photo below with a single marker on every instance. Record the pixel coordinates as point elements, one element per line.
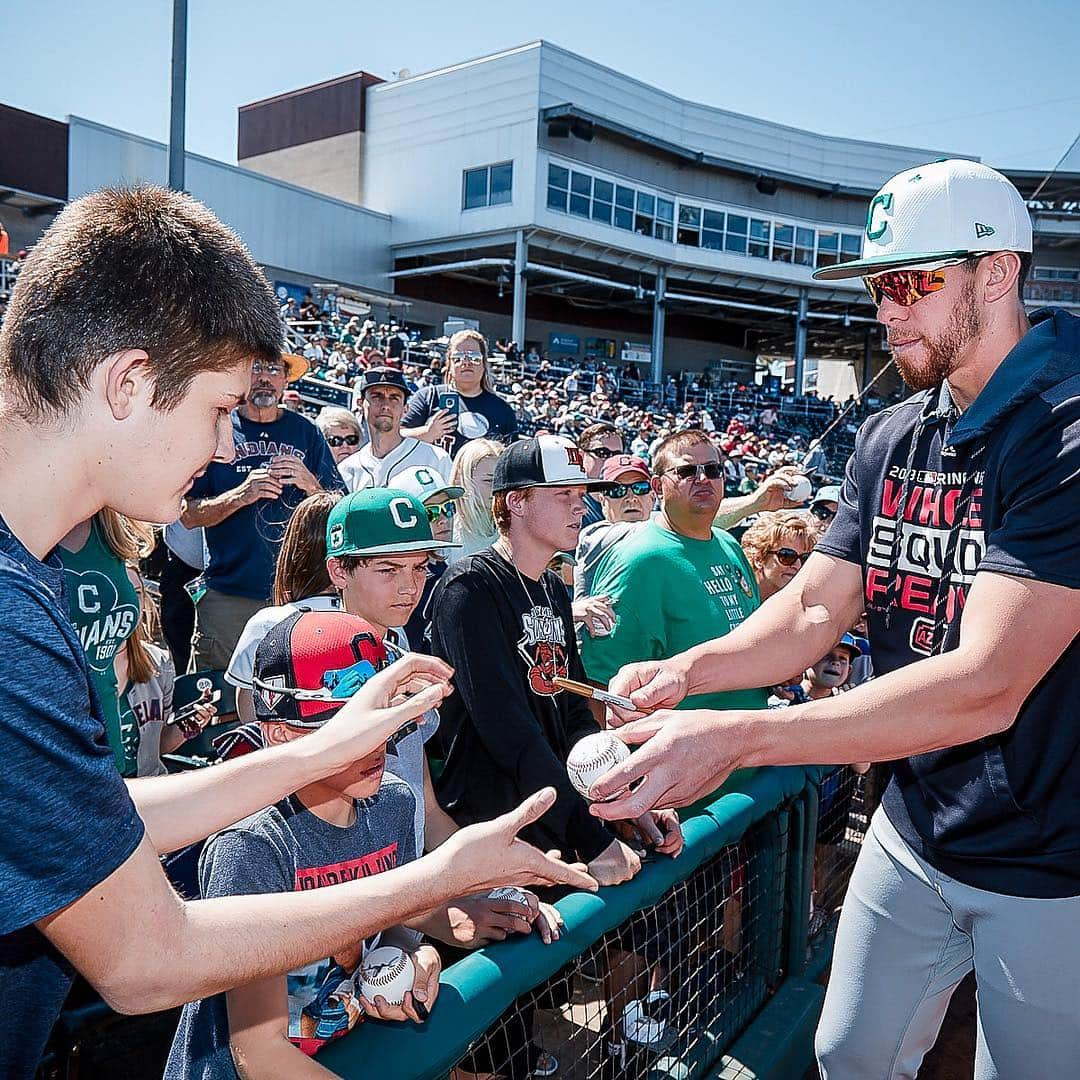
<point>678,581</point>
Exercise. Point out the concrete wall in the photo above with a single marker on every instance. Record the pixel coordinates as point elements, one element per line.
<point>284,226</point>
<point>330,166</point>
<point>423,132</point>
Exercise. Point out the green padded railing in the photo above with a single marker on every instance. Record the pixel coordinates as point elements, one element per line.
<point>476,991</point>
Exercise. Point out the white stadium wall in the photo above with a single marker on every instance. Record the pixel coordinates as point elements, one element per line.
<point>285,227</point>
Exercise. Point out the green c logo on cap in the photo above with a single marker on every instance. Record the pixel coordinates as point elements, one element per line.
<point>884,200</point>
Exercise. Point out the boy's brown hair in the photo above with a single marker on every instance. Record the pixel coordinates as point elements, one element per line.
<point>133,268</point>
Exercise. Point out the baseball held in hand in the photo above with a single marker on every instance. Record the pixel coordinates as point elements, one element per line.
<point>387,972</point>
<point>593,756</point>
<point>801,490</point>
<point>508,892</point>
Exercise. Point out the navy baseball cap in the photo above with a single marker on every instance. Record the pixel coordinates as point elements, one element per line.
<point>383,376</point>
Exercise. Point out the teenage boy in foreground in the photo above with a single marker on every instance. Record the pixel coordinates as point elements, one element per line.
<point>116,389</point>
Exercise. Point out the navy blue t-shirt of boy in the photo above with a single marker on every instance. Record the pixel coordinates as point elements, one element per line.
<point>69,821</point>
<point>244,547</point>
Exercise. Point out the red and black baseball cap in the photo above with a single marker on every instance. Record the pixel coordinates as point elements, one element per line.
<point>311,663</point>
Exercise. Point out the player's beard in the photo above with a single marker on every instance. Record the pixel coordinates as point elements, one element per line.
<point>941,352</point>
<point>264,398</point>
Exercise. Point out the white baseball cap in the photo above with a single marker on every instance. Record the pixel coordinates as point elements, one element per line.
<point>934,214</point>
<point>424,482</point>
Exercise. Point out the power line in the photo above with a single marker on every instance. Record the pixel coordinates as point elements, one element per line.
<point>1060,162</point>
<point>971,116</point>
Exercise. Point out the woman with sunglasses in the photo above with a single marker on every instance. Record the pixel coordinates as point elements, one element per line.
<point>776,546</point>
<point>465,406</point>
<point>342,431</point>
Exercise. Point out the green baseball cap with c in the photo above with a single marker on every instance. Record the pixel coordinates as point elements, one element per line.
<point>379,521</point>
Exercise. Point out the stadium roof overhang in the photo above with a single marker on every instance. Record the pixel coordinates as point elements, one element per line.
<point>582,123</point>
<point>30,204</point>
<point>584,276</point>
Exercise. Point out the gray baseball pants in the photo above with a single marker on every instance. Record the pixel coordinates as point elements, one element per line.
<point>908,934</point>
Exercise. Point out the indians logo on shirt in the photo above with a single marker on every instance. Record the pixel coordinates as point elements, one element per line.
<point>919,531</point>
<point>543,648</point>
<point>105,623</point>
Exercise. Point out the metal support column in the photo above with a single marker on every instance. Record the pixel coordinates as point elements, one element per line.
<point>658,314</point>
<point>521,257</point>
<point>800,341</point>
<point>867,358</point>
<point>178,102</point>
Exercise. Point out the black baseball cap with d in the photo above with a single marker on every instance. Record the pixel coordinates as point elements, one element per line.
<point>546,461</point>
<point>311,663</point>
<point>380,521</point>
<point>938,215</point>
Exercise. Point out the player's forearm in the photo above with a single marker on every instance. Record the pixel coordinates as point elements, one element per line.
<point>793,629</point>
<point>734,509</point>
<point>941,701</point>
<point>213,510</point>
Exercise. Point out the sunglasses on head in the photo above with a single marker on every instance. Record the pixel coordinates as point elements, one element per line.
<point>447,510</point>
<point>822,513</point>
<point>342,440</point>
<point>711,470</point>
<point>907,287</point>
<point>620,491</point>
<point>786,556</point>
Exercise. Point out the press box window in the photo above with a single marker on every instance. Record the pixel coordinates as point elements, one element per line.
<point>491,185</point>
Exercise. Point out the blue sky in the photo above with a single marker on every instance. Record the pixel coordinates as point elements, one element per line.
<point>987,77</point>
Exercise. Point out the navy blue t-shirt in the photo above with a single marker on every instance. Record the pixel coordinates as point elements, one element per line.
<point>68,819</point>
<point>244,547</point>
<point>931,500</point>
<point>486,416</point>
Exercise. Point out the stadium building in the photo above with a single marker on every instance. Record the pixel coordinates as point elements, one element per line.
<point>552,201</point>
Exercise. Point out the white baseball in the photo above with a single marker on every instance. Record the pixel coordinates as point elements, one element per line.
<point>387,972</point>
<point>508,892</point>
<point>593,756</point>
<point>801,490</point>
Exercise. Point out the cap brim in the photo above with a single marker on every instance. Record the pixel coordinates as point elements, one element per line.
<point>296,367</point>
<point>588,485</point>
<point>453,492</point>
<point>396,549</point>
<point>879,263</point>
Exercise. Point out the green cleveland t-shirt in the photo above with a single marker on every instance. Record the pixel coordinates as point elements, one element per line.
<point>104,608</point>
<point>670,593</point>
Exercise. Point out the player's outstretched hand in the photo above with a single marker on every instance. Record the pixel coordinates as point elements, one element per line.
<point>396,696</point>
<point>483,856</point>
<point>650,685</point>
<point>681,757</point>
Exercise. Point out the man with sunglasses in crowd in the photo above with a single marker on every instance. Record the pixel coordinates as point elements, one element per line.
<point>383,392</point>
<point>677,580</point>
<point>599,443</point>
<point>245,504</point>
<point>958,531</point>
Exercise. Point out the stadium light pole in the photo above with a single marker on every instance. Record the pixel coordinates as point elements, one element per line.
<point>178,102</point>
